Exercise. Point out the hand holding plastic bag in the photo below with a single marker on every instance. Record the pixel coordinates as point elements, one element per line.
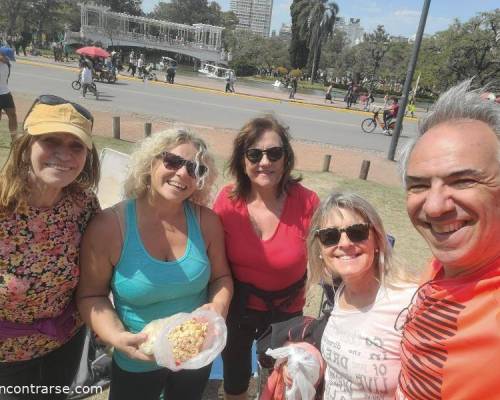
<point>305,365</point>
<point>213,343</point>
<point>153,330</point>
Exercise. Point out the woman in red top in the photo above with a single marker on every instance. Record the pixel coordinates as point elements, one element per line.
<point>266,215</point>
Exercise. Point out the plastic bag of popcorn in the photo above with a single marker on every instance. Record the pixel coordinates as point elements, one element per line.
<point>190,341</point>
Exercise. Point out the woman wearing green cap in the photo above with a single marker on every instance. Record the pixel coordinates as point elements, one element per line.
<point>46,201</point>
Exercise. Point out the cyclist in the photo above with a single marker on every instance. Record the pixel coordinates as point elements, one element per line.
<point>390,113</point>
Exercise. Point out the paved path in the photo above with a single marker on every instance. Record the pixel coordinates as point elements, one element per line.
<point>201,101</point>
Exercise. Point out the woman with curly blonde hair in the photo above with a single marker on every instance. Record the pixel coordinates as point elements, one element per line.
<point>160,252</point>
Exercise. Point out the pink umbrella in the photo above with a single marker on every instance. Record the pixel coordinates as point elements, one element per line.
<point>93,51</point>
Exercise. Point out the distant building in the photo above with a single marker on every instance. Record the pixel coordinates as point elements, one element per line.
<point>285,32</point>
<point>411,39</point>
<point>253,15</point>
<point>399,39</point>
<point>352,28</point>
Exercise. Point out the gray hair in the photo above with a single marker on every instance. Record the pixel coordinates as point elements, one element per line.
<point>388,272</point>
<point>138,179</point>
<point>457,103</point>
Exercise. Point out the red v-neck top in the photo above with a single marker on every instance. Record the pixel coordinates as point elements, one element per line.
<point>275,263</point>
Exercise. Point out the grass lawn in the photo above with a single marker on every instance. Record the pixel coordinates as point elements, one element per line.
<point>388,200</point>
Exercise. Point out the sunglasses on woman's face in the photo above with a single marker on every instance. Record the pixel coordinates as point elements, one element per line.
<point>273,154</point>
<point>175,162</point>
<point>331,236</point>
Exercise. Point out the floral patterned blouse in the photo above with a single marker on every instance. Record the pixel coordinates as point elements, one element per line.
<point>39,268</point>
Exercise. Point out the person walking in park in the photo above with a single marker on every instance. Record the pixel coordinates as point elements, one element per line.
<point>451,172</point>
<point>265,213</point>
<point>160,252</point>
<point>228,85</point>
<point>46,200</point>
<point>329,93</point>
<point>171,72</point>
<point>131,59</point>
<point>349,97</point>
<point>294,85</point>
<point>88,81</point>
<point>6,99</point>
<point>141,63</point>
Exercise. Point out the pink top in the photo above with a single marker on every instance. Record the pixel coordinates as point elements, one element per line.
<point>277,262</point>
<point>39,270</point>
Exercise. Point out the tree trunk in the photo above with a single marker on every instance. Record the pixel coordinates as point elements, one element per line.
<point>315,62</point>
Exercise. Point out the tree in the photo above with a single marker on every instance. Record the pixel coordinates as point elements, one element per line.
<point>132,7</point>
<point>11,10</point>
<point>299,53</point>
<point>332,49</point>
<point>186,12</point>
<point>462,51</point>
<point>316,19</point>
<point>376,44</point>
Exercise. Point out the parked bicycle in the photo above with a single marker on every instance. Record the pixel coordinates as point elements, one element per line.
<point>368,125</point>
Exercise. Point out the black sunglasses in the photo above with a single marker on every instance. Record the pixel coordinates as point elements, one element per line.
<point>273,154</point>
<point>52,100</point>
<point>331,236</point>
<point>175,162</point>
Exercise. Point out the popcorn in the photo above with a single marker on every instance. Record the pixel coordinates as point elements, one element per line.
<point>187,339</point>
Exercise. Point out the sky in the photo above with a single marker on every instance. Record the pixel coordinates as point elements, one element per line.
<point>399,17</point>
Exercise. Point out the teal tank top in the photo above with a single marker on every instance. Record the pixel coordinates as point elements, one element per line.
<point>145,288</point>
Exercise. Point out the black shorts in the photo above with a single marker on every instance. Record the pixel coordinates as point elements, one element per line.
<point>186,384</point>
<point>57,369</point>
<point>6,101</point>
<point>237,355</point>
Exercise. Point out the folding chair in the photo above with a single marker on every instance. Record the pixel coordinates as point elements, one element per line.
<point>114,167</point>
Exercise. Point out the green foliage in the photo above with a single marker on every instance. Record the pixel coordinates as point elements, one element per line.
<point>315,20</point>
<point>298,50</point>
<point>282,70</point>
<point>194,12</point>
<point>296,73</point>
<point>462,51</point>
<point>39,16</point>
<point>250,52</point>
<point>132,7</point>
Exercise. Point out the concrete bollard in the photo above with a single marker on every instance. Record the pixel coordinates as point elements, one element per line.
<point>147,129</point>
<point>326,163</point>
<point>365,167</point>
<point>116,127</point>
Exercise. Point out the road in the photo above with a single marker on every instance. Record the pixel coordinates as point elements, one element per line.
<point>206,107</point>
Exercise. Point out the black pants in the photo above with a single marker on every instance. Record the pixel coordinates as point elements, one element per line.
<point>181,385</point>
<point>57,368</point>
<point>237,355</point>
<point>387,117</point>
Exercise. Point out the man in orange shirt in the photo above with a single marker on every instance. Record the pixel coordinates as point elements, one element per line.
<point>451,340</point>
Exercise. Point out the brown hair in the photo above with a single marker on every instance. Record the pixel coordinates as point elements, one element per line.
<point>247,136</point>
<point>14,184</point>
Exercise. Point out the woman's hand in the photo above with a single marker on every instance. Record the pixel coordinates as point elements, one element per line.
<point>219,308</point>
<point>286,376</point>
<point>128,343</point>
